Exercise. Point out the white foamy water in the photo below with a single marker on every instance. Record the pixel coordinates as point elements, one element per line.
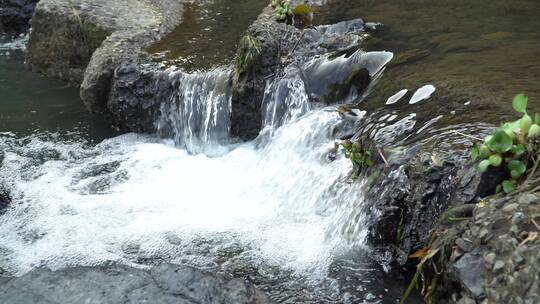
<point>18,44</point>
<point>76,205</point>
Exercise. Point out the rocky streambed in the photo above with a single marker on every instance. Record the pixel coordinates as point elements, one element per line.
<point>294,223</point>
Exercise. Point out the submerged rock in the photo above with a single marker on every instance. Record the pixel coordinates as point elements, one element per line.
<point>165,283</point>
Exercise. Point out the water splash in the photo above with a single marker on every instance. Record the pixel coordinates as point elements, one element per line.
<point>18,44</point>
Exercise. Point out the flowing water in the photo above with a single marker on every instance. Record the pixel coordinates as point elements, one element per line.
<point>271,210</point>
<point>280,211</point>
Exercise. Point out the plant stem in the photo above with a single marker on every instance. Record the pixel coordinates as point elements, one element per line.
<point>383,158</point>
<point>533,170</point>
<point>466,135</point>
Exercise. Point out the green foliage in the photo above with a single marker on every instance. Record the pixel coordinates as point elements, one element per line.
<point>360,156</point>
<point>283,9</point>
<point>515,144</point>
<point>520,103</point>
<point>285,13</point>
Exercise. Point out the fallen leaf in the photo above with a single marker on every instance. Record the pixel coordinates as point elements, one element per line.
<point>420,253</point>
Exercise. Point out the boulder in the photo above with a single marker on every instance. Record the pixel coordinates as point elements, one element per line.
<point>269,50</point>
<point>424,176</point>
<point>165,283</point>
<point>83,41</point>
<point>15,16</point>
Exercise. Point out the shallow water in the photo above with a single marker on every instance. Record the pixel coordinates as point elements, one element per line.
<point>480,51</point>
<point>31,103</point>
<point>209,32</point>
<point>271,210</point>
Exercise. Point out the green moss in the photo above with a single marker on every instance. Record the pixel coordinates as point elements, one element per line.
<point>409,56</point>
<point>249,52</point>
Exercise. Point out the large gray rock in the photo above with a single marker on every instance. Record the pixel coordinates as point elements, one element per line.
<point>83,41</point>
<point>425,176</point>
<point>164,283</point>
<point>15,16</point>
<point>266,50</point>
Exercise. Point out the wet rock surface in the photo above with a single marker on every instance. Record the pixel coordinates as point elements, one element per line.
<point>496,253</point>
<point>424,176</point>
<point>82,41</point>
<point>165,283</point>
<point>15,16</point>
<point>266,52</point>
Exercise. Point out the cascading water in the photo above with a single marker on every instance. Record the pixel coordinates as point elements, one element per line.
<point>277,202</point>
<point>197,116</point>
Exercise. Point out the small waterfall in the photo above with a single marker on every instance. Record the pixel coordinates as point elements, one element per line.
<point>198,114</point>
<point>283,201</point>
<point>285,99</point>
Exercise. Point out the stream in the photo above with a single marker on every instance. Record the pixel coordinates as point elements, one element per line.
<point>280,210</point>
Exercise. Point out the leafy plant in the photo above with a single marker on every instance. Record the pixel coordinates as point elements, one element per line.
<point>514,145</point>
<point>359,156</point>
<point>286,13</point>
<point>283,9</point>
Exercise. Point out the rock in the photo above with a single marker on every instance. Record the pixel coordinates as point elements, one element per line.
<point>414,191</point>
<point>490,258</point>
<point>165,283</point>
<point>510,207</point>
<point>15,16</point>
<point>83,41</point>
<point>511,273</point>
<point>269,47</point>
<point>469,271</point>
<point>5,200</point>
<point>499,265</point>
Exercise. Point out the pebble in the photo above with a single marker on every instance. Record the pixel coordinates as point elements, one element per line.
<point>490,258</point>
<point>519,219</point>
<point>517,258</point>
<point>510,207</point>
<point>483,233</point>
<point>465,245</point>
<point>498,266</point>
<point>527,199</point>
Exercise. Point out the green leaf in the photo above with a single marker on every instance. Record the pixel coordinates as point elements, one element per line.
<point>484,165</point>
<point>498,189</point>
<point>508,186</point>
<point>534,131</point>
<point>537,119</point>
<point>515,174</point>
<point>517,168</point>
<point>518,150</point>
<point>525,123</point>
<point>500,142</point>
<point>520,103</point>
<point>484,151</point>
<point>475,152</point>
<point>495,160</point>
<point>511,127</point>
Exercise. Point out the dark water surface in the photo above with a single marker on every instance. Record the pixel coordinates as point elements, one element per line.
<point>31,103</point>
<point>209,32</point>
<point>471,50</point>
